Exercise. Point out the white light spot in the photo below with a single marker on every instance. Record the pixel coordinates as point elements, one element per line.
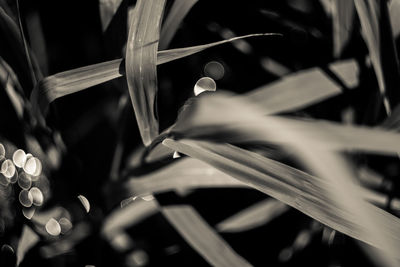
<point>53,227</point>
<point>28,212</point>
<point>38,170</point>
<point>30,165</point>
<point>85,202</point>
<point>8,168</point>
<point>204,84</point>
<point>37,196</point>
<point>24,181</point>
<point>19,158</point>
<point>148,198</point>
<point>176,155</point>
<point>65,225</point>
<point>25,198</point>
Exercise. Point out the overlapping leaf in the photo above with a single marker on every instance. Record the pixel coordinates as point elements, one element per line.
<point>72,81</point>
<point>141,65</point>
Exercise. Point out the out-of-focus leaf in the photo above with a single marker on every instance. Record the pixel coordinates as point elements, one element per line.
<point>254,216</point>
<point>107,10</point>
<point>221,116</point>
<point>10,83</point>
<point>304,88</point>
<point>202,237</point>
<point>13,52</point>
<point>72,81</point>
<point>28,239</point>
<point>375,23</point>
<point>186,173</point>
<point>309,196</point>
<point>177,13</point>
<point>141,65</point>
<point>394,12</point>
<point>129,215</point>
<point>343,21</point>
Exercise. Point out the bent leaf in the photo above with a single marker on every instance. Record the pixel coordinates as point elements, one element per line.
<point>141,65</point>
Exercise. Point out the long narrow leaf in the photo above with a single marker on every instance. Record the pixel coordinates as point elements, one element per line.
<point>187,173</point>
<point>202,237</point>
<point>72,81</point>
<point>178,12</point>
<point>108,8</point>
<point>377,33</point>
<point>343,16</point>
<point>237,120</point>
<point>256,215</point>
<point>141,65</point>
<point>303,88</point>
<point>309,196</point>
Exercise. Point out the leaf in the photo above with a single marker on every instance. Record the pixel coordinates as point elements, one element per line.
<point>108,8</point>
<point>343,21</point>
<point>141,65</point>
<point>28,239</point>
<point>128,216</point>
<point>254,216</point>
<point>186,173</point>
<point>377,33</point>
<point>179,10</point>
<point>394,12</point>
<point>72,81</point>
<point>235,119</point>
<point>191,226</point>
<point>303,88</point>
<point>309,196</point>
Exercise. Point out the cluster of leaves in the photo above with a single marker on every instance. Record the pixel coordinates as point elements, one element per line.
<point>306,162</point>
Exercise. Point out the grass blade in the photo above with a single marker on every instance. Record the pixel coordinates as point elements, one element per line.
<point>141,65</point>
<point>202,237</point>
<point>186,173</point>
<point>343,21</point>
<point>254,216</point>
<point>108,8</point>
<point>304,88</point>
<point>377,33</point>
<point>28,239</point>
<point>237,120</point>
<point>129,215</point>
<point>308,196</point>
<point>179,10</point>
<point>72,81</point>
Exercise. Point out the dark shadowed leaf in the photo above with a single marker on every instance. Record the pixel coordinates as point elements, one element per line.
<point>377,33</point>
<point>202,237</point>
<point>108,8</point>
<point>178,11</point>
